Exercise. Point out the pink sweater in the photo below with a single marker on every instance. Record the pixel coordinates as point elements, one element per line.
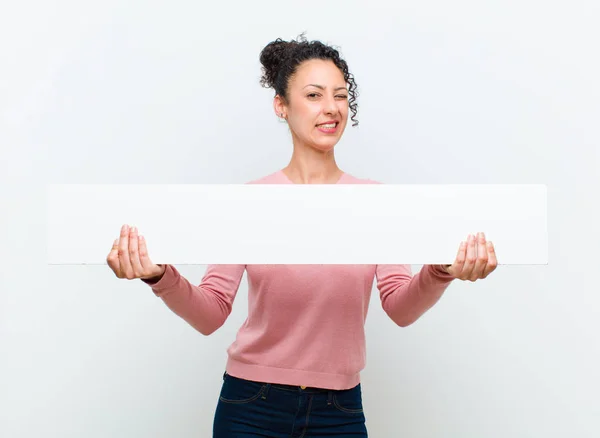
<point>305,323</point>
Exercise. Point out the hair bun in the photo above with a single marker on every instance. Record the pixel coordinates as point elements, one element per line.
<point>272,58</point>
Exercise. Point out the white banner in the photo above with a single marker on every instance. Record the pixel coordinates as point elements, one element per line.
<point>298,223</point>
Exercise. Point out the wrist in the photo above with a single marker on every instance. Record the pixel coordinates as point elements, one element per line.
<point>155,277</point>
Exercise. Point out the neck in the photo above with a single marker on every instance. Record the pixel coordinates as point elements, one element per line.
<point>310,166</point>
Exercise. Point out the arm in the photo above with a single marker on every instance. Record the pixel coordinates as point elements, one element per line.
<point>406,297</point>
<point>206,306</point>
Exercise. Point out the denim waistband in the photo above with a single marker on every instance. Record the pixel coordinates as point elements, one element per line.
<point>296,388</point>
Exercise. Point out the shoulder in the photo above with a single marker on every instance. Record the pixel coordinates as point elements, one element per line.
<point>272,178</point>
<point>352,179</point>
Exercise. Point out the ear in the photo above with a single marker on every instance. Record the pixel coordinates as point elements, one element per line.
<point>279,107</point>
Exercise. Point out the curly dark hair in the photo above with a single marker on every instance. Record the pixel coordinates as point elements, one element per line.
<point>280,59</point>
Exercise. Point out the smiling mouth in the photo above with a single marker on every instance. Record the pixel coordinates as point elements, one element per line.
<point>328,125</point>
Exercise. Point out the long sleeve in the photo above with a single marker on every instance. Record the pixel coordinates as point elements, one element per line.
<point>406,297</point>
<point>205,306</point>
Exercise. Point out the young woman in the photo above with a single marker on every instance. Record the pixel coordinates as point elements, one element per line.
<point>294,368</point>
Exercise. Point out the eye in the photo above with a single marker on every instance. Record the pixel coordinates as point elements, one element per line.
<point>312,95</point>
<point>343,96</point>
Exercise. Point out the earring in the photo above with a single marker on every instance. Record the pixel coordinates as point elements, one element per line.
<point>282,118</point>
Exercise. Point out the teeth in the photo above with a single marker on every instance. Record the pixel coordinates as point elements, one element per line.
<point>330,125</point>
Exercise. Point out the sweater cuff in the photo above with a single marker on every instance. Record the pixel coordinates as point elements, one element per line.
<point>167,281</point>
<point>440,273</point>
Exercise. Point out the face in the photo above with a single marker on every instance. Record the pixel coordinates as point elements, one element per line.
<point>317,94</point>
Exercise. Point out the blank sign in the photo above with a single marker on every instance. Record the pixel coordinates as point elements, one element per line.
<point>297,223</point>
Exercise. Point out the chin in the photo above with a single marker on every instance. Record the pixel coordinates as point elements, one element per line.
<point>325,146</point>
<point>325,143</point>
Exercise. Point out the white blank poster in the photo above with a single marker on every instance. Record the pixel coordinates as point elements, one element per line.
<point>297,223</point>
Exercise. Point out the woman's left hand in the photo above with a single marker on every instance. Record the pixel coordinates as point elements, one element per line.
<point>476,259</point>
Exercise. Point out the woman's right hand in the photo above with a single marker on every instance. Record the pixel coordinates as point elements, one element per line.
<point>128,257</point>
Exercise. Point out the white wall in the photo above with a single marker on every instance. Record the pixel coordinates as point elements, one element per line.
<point>451,92</point>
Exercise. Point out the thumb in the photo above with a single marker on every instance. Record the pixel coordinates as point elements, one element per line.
<point>113,257</point>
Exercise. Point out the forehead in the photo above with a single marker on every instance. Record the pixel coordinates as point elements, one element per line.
<point>318,71</point>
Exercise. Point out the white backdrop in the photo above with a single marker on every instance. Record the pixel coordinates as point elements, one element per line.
<point>451,92</point>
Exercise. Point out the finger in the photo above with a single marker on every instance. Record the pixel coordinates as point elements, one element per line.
<point>492,259</point>
<point>124,261</point>
<point>457,267</point>
<point>482,258</point>
<point>144,258</point>
<point>134,255</point>
<point>113,257</point>
<point>470,260</point>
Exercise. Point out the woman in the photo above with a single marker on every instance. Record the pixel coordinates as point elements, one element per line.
<point>294,368</point>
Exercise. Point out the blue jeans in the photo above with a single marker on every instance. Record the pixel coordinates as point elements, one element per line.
<point>256,409</point>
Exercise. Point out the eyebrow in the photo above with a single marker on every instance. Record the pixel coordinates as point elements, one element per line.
<point>322,87</point>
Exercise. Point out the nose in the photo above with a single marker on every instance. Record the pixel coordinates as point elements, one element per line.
<point>329,106</point>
